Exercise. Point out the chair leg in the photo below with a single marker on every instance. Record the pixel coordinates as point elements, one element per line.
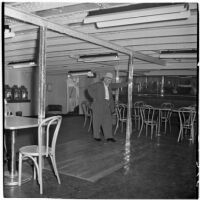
<point>152,131</point>
<point>34,169</point>
<point>165,126</point>
<point>180,134</point>
<point>192,134</point>
<point>5,155</point>
<point>141,129</point>
<point>53,160</point>
<point>157,130</point>
<point>170,128</point>
<point>135,122</point>
<point>146,129</point>
<point>85,120</point>
<point>40,181</point>
<point>90,124</point>
<point>122,126</point>
<point>4,143</point>
<point>40,164</point>
<point>138,123</point>
<point>116,127</point>
<point>20,169</point>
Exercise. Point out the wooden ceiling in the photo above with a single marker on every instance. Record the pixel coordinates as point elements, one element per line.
<point>146,40</point>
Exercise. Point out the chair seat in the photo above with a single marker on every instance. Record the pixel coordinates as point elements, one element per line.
<point>151,122</point>
<point>33,150</point>
<point>136,116</point>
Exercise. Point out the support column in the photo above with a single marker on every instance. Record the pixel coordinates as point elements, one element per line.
<point>130,91</point>
<point>42,73</point>
<point>162,86</point>
<point>127,152</point>
<point>42,95</point>
<point>117,90</point>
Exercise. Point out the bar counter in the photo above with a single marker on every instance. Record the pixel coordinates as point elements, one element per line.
<point>157,99</point>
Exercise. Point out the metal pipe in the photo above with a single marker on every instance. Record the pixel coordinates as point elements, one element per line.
<point>117,90</point>
<point>162,86</point>
<point>13,155</point>
<point>42,73</point>
<point>130,91</point>
<point>42,96</point>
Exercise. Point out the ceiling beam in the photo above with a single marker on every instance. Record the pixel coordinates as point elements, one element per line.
<point>90,29</point>
<point>33,19</point>
<point>124,42</point>
<point>68,49</point>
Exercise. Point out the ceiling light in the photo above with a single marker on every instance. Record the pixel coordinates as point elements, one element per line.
<point>179,55</point>
<point>146,19</point>
<point>188,53</point>
<point>136,13</point>
<point>99,57</point>
<point>81,73</point>
<point>22,65</point>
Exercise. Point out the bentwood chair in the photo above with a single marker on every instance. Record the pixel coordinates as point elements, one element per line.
<point>165,114</point>
<point>136,113</point>
<point>47,149</point>
<point>149,118</point>
<point>121,111</point>
<point>87,111</point>
<point>187,117</point>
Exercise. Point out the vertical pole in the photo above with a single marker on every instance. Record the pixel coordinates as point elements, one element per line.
<point>42,73</point>
<point>117,90</point>
<point>42,96</point>
<point>162,86</point>
<point>127,152</point>
<point>13,154</point>
<point>130,91</point>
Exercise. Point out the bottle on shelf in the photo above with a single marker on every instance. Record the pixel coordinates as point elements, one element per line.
<point>16,93</point>
<point>24,93</point>
<point>8,93</point>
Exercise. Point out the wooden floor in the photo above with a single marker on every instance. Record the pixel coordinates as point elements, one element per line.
<point>91,161</point>
<point>158,168</point>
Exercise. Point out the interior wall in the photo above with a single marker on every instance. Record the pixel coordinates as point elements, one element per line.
<point>57,92</point>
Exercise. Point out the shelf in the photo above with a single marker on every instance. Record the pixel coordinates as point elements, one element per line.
<point>19,101</point>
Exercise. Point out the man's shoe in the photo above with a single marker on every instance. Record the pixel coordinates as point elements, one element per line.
<point>98,139</point>
<point>111,140</point>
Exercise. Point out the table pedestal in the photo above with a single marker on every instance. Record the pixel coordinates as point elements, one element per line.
<point>10,180</point>
<point>11,177</point>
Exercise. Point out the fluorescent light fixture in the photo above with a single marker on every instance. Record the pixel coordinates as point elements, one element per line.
<point>99,58</point>
<point>22,65</point>
<point>81,73</point>
<point>146,19</point>
<point>136,13</point>
<point>178,55</point>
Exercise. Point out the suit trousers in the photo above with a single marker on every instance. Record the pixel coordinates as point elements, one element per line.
<point>102,118</point>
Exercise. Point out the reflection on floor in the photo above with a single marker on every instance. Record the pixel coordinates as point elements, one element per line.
<point>166,169</point>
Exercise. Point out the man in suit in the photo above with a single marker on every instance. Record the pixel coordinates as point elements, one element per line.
<point>102,107</point>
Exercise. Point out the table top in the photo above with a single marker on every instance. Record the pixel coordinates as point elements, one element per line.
<point>187,109</point>
<point>16,122</point>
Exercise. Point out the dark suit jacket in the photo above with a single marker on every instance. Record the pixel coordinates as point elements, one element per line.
<point>97,92</point>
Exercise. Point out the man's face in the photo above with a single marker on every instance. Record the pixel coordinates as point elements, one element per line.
<point>107,81</point>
